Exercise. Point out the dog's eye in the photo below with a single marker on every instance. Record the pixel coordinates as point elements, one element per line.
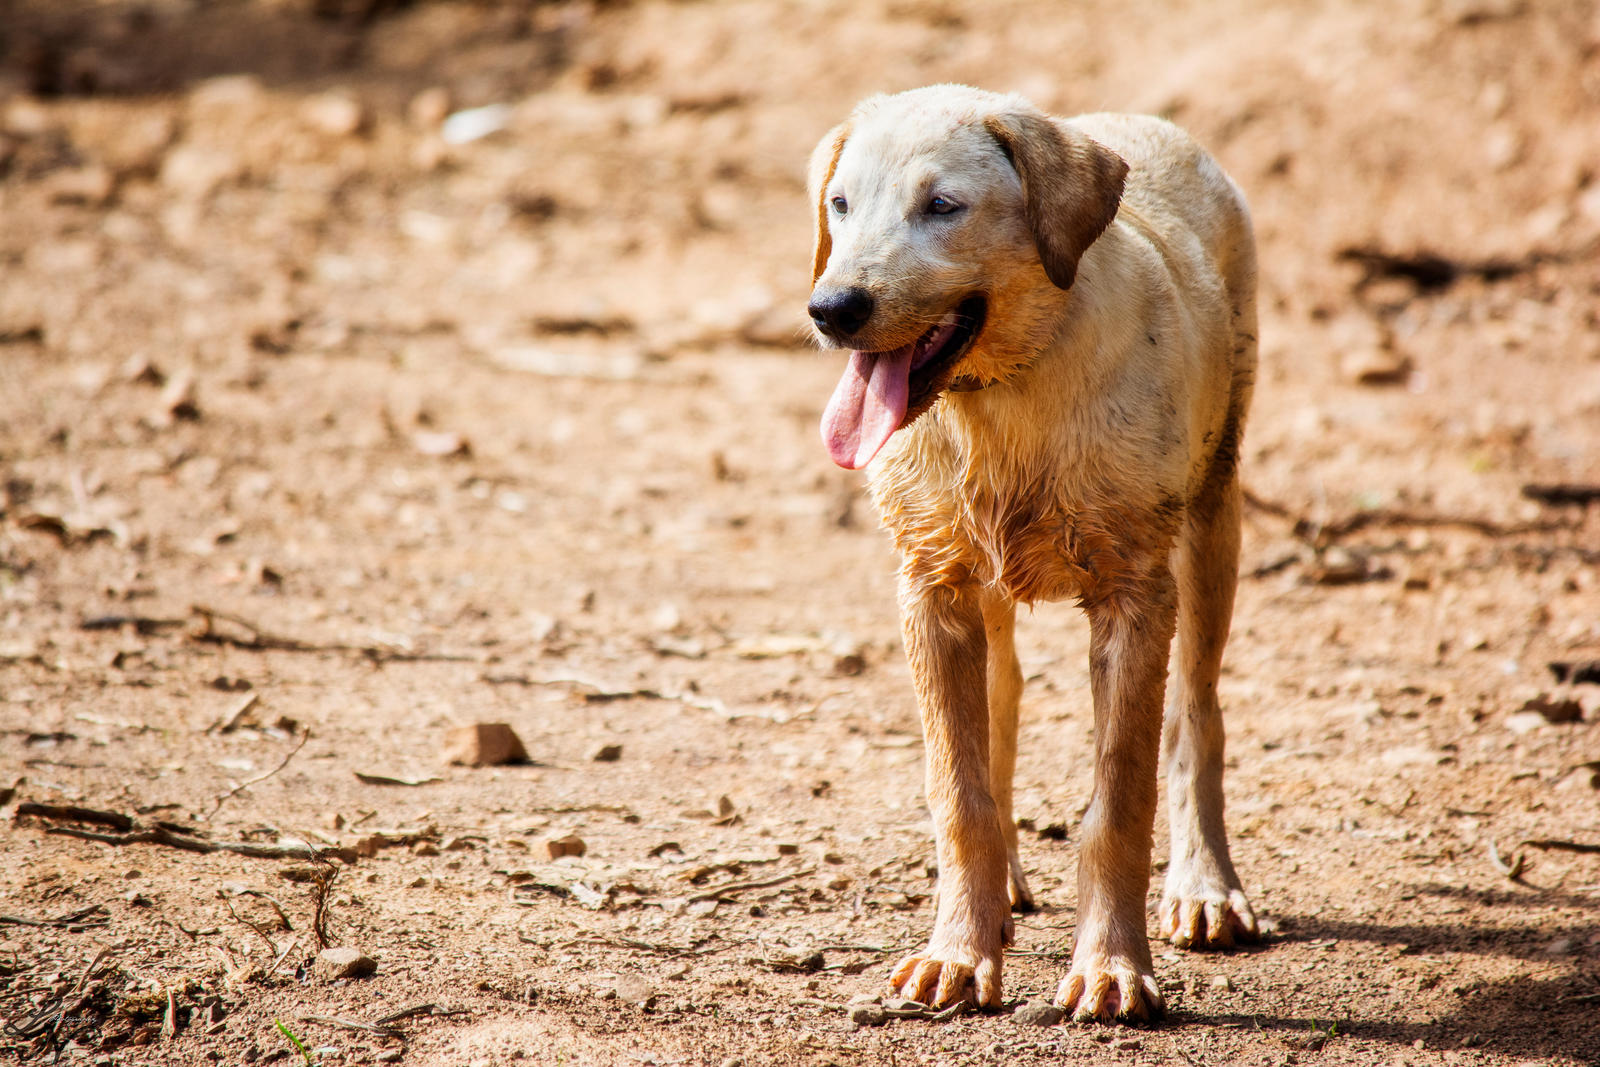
<point>839,205</point>
<point>942,205</point>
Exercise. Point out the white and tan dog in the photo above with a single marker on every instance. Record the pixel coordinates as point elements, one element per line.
<point>1053,332</point>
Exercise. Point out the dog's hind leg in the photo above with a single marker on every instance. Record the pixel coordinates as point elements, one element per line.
<point>1005,694</point>
<point>1204,904</point>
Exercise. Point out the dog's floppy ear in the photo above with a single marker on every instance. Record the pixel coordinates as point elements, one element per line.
<point>1071,185</point>
<point>823,159</point>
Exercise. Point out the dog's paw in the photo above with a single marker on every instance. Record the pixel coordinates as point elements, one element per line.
<point>949,978</point>
<point>1212,920</point>
<point>1110,990</point>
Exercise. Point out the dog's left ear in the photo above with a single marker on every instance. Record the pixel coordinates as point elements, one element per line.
<point>823,160</point>
<point>1071,185</point>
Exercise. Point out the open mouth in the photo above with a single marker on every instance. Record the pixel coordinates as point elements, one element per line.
<point>936,353</point>
<point>882,392</point>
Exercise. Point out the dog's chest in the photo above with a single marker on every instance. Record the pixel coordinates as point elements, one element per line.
<point>1032,547</point>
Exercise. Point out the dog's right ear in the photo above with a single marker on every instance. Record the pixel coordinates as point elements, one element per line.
<point>823,160</point>
<point>1071,186</point>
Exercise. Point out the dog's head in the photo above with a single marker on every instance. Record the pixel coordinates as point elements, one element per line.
<point>946,218</point>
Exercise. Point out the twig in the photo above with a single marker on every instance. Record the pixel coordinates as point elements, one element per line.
<point>258,779</point>
<point>1562,493</point>
<point>235,717</point>
<point>139,833</point>
<point>295,940</point>
<point>73,922</point>
<point>738,887</point>
<point>593,692</point>
<point>272,946</point>
<point>326,873</point>
<point>1546,844</point>
<point>256,638</point>
<point>1512,870</point>
<point>1322,534</point>
<point>672,951</point>
<point>353,1024</point>
<point>418,1009</point>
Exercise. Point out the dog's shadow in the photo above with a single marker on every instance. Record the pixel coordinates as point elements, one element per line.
<point>1521,1016</point>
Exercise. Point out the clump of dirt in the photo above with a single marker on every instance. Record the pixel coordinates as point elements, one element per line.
<point>373,370</point>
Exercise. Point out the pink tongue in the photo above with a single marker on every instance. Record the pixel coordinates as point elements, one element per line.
<point>868,405</point>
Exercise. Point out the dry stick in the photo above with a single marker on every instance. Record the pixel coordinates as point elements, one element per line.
<point>739,887</point>
<point>1321,534</point>
<point>319,915</point>
<point>140,833</point>
<point>1562,493</point>
<point>418,1009</point>
<point>1545,844</point>
<point>272,946</point>
<point>259,778</point>
<point>1512,870</point>
<point>259,639</point>
<point>353,1024</point>
<point>282,955</point>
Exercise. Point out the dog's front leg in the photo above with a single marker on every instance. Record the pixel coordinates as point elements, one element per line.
<point>944,636</point>
<point>1112,975</point>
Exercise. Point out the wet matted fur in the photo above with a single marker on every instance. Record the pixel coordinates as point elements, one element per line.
<point>1052,324</point>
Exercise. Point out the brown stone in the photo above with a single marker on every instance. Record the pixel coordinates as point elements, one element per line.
<point>571,845</point>
<point>486,744</point>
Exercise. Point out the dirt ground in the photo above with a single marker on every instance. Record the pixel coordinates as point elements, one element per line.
<point>328,426</point>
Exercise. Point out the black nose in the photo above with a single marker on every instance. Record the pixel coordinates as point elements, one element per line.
<point>841,314</point>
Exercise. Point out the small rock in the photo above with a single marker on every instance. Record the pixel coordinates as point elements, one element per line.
<point>1129,1044</point>
<point>901,1004</point>
<point>440,443</point>
<point>425,848</point>
<point>1037,1013</point>
<point>631,989</point>
<point>486,744</point>
<point>1525,722</point>
<point>475,123</point>
<point>335,963</point>
<point>1375,366</point>
<point>430,107</point>
<point>91,185</point>
<point>571,845</point>
<point>1222,982</point>
<point>336,114</point>
<point>607,754</point>
<point>868,1015</point>
<point>178,398</point>
<point>392,1055</point>
<point>1554,709</point>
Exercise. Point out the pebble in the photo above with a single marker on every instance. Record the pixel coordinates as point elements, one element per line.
<point>1037,1013</point>
<point>1376,366</point>
<point>571,845</point>
<point>868,1015</point>
<point>1222,982</point>
<point>486,744</point>
<point>336,114</point>
<point>607,754</point>
<point>335,963</point>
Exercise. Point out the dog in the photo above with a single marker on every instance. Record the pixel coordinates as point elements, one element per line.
<point>1052,329</point>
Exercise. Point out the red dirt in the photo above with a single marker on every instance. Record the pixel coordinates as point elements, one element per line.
<point>523,430</point>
